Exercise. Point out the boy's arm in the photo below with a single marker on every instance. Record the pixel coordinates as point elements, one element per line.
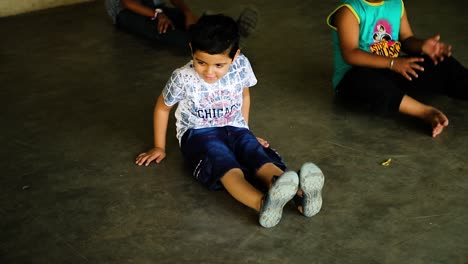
<point>348,34</point>
<point>246,111</point>
<point>246,104</point>
<point>160,120</point>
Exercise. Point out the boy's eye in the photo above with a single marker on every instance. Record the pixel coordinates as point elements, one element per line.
<point>219,65</point>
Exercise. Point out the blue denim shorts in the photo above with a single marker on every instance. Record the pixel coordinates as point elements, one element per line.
<point>211,152</point>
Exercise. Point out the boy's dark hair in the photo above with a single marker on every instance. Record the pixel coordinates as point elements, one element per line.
<point>215,34</point>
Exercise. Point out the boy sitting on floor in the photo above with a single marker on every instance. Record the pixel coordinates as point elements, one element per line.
<point>212,91</point>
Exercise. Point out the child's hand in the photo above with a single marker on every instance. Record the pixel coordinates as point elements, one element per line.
<point>263,142</point>
<point>407,67</point>
<point>164,23</point>
<point>155,154</point>
<point>435,49</point>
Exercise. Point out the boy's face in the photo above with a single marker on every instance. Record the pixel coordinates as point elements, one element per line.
<point>210,67</point>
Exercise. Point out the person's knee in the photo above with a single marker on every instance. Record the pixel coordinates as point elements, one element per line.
<point>232,175</point>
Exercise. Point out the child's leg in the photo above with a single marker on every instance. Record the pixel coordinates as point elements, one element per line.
<point>269,168</point>
<point>265,163</point>
<point>266,173</point>
<point>270,206</point>
<point>239,188</point>
<point>376,90</point>
<point>210,158</point>
<point>210,153</point>
<point>448,77</point>
<point>385,92</point>
<point>429,114</point>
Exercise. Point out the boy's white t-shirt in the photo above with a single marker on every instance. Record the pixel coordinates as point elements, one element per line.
<point>203,105</point>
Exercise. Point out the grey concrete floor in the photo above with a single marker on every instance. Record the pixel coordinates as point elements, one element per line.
<point>78,97</point>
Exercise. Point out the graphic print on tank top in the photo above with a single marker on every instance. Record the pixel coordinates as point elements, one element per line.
<point>382,42</point>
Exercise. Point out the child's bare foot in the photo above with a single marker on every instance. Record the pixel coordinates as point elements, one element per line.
<point>431,115</point>
<point>437,119</point>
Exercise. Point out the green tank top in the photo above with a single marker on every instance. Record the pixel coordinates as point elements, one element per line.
<point>379,28</point>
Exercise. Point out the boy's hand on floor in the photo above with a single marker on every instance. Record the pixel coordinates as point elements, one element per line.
<point>155,154</point>
<point>263,142</point>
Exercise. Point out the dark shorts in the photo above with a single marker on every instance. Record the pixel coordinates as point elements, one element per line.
<point>211,152</point>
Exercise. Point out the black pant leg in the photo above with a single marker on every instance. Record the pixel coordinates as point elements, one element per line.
<point>378,90</point>
<point>448,77</point>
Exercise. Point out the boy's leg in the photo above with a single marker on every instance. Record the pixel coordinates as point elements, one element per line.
<point>267,172</point>
<point>212,156</point>
<point>213,161</point>
<point>262,162</point>
<point>270,206</point>
<point>269,168</point>
<point>209,153</point>
<point>239,188</point>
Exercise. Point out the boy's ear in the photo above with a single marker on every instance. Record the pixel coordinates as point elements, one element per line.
<point>237,54</point>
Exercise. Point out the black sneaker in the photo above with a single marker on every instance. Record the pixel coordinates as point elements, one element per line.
<point>247,22</point>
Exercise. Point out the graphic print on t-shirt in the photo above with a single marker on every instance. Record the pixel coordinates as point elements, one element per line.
<point>382,42</point>
<point>217,106</point>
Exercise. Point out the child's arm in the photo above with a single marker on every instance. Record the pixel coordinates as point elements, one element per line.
<point>348,34</point>
<point>161,118</point>
<point>246,104</point>
<point>246,111</point>
<point>431,47</point>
